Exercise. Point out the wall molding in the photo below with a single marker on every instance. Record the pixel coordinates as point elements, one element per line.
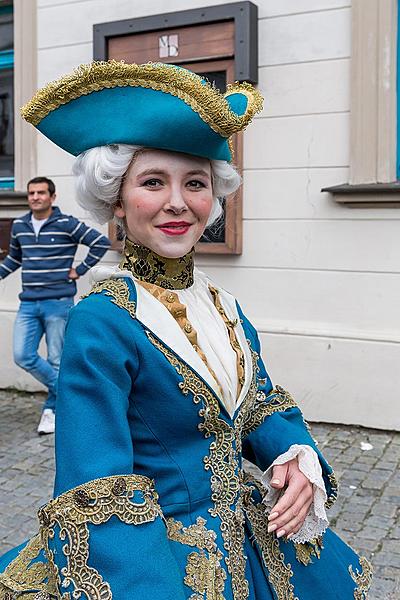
<point>25,85</point>
<point>325,331</point>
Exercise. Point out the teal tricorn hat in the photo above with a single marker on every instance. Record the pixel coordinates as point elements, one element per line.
<point>154,105</point>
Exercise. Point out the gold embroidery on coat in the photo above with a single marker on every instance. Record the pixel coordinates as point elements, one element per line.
<point>94,502</point>
<point>362,578</point>
<point>222,461</point>
<point>247,407</point>
<point>279,573</point>
<point>333,491</point>
<point>204,574</point>
<point>200,95</point>
<point>118,290</point>
<point>194,535</point>
<point>306,550</point>
<point>22,575</point>
<point>263,406</point>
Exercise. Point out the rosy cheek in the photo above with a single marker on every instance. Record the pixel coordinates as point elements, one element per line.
<point>138,203</point>
<point>146,206</point>
<point>206,206</point>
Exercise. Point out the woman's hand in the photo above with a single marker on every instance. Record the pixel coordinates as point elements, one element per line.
<point>289,512</point>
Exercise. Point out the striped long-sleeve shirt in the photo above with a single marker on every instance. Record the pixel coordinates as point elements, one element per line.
<point>47,258</point>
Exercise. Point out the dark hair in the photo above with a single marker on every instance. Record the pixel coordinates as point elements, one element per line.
<point>50,184</point>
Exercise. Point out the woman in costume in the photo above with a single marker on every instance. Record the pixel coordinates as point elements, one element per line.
<point>162,391</point>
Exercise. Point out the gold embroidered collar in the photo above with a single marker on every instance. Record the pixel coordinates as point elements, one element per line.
<point>146,265</point>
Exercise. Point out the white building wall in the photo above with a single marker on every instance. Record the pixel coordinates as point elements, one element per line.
<point>319,280</point>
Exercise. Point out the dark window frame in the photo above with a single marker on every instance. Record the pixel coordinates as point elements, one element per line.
<point>7,64</point>
<point>244,15</point>
<point>243,54</point>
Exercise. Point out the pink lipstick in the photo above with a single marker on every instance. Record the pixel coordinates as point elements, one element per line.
<point>174,227</point>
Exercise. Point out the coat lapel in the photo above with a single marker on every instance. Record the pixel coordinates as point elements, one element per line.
<point>153,315</point>
<point>156,317</point>
<point>229,304</point>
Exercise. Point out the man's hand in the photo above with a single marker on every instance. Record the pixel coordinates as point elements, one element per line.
<point>73,274</point>
<point>289,512</point>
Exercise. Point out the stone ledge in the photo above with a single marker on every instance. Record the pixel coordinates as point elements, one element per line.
<point>12,199</point>
<point>366,194</point>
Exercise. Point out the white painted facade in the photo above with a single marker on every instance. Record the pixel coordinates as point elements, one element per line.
<point>319,280</point>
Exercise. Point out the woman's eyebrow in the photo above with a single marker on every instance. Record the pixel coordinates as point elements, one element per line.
<point>161,172</point>
<point>198,172</point>
<point>151,172</point>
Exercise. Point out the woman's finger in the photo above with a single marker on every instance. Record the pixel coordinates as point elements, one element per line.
<point>279,476</point>
<point>297,484</point>
<point>294,525</point>
<point>289,521</point>
<point>300,504</point>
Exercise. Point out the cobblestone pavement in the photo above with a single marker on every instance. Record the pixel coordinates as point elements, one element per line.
<point>366,461</point>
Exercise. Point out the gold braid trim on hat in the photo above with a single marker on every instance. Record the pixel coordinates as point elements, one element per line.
<point>201,96</point>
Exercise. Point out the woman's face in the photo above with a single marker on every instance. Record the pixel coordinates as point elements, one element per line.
<point>166,199</point>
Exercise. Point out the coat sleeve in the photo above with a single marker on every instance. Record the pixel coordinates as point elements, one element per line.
<point>276,423</point>
<point>103,533</point>
<point>97,371</point>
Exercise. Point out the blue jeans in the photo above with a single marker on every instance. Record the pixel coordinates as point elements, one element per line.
<point>36,318</point>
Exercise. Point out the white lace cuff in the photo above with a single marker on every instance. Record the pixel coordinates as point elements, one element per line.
<point>316,521</point>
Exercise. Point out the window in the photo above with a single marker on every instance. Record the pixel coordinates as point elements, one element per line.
<point>6,97</point>
<point>229,34</point>
<point>5,233</point>
<point>374,108</point>
<point>398,94</point>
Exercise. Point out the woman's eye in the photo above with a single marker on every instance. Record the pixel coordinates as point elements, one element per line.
<point>195,183</point>
<point>152,183</point>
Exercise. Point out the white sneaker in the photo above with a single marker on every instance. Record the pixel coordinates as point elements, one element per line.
<point>47,422</point>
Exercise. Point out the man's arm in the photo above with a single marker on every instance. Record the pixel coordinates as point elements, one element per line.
<point>13,260</point>
<point>97,242</point>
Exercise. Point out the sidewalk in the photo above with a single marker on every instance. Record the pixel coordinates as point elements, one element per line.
<point>366,462</point>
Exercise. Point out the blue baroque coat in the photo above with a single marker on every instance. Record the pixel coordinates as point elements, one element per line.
<point>151,499</point>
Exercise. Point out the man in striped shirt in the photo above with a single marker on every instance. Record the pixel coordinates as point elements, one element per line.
<point>43,243</point>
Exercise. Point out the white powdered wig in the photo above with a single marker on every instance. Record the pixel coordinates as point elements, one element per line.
<point>99,174</point>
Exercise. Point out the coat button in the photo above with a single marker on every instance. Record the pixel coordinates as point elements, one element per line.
<point>81,498</point>
<point>119,487</point>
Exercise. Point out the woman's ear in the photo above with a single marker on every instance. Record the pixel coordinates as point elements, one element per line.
<point>119,210</point>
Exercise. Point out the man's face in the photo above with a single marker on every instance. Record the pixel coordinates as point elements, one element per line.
<point>39,198</point>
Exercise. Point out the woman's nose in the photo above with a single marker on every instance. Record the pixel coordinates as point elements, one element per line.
<point>176,201</point>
